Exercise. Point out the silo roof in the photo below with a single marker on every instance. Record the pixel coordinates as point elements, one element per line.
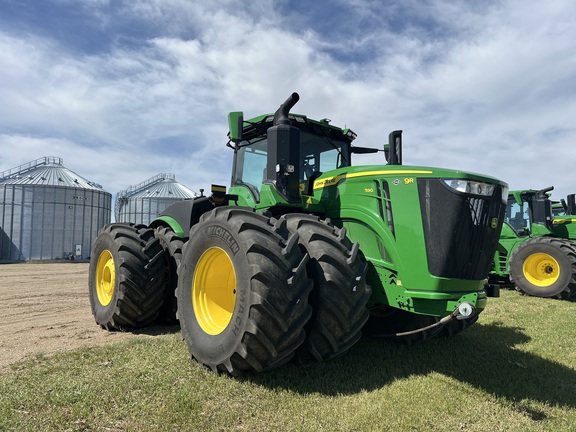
<point>46,171</point>
<point>159,186</point>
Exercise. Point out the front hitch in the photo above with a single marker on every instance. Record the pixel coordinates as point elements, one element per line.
<point>462,312</point>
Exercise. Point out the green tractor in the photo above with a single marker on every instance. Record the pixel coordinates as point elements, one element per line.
<point>304,252</point>
<point>536,253</point>
<point>564,207</point>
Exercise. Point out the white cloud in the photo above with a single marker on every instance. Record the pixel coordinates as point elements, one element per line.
<point>486,88</point>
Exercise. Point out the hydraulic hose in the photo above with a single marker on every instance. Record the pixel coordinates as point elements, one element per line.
<point>458,313</point>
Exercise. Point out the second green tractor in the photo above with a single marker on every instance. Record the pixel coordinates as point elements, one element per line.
<point>305,252</point>
<point>536,253</point>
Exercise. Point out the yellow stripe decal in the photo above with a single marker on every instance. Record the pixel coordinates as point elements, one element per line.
<point>331,181</point>
<point>564,221</point>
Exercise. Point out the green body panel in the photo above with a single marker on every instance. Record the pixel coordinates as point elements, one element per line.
<point>352,197</point>
<point>505,248</point>
<point>172,223</point>
<point>538,230</point>
<point>399,264</point>
<point>565,227</point>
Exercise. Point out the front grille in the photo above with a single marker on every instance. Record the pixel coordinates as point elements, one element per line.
<point>460,242</point>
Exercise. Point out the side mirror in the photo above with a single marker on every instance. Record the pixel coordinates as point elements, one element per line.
<point>235,125</point>
<point>393,150</point>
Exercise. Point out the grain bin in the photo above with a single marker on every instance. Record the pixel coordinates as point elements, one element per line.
<point>49,212</point>
<point>144,202</point>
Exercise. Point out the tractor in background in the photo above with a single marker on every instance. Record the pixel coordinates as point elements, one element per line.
<point>304,252</point>
<point>536,253</point>
<point>565,207</point>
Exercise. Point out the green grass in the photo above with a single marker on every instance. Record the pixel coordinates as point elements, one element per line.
<point>515,370</point>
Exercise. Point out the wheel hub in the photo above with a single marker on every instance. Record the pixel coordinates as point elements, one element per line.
<point>105,278</point>
<point>541,269</point>
<point>214,291</point>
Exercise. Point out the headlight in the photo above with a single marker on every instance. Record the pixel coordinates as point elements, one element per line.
<point>471,187</point>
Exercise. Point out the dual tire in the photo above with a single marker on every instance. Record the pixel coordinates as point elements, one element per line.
<point>126,277</point>
<point>340,292</point>
<point>254,292</point>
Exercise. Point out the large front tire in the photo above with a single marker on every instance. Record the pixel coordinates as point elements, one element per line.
<point>340,291</point>
<point>544,267</point>
<point>242,291</point>
<point>126,277</point>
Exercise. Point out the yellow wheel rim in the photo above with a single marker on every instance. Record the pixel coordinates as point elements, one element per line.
<point>541,269</point>
<point>214,291</point>
<point>105,278</point>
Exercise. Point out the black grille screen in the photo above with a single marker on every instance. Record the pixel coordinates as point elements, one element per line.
<point>460,243</point>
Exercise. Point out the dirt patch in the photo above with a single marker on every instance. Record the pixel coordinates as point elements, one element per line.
<point>44,309</point>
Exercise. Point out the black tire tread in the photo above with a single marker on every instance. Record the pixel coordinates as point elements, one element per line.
<point>139,276</point>
<point>172,247</point>
<point>341,291</point>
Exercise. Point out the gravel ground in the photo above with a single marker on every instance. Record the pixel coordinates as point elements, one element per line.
<point>45,309</point>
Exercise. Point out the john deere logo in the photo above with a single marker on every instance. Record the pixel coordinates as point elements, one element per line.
<point>494,223</point>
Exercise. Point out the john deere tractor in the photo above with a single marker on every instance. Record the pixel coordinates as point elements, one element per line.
<point>537,250</point>
<point>304,251</point>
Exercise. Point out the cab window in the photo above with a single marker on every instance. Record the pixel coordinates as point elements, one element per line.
<point>518,216</point>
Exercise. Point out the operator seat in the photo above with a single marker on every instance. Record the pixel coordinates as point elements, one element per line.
<point>518,222</point>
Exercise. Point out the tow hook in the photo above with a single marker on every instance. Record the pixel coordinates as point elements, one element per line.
<point>465,311</point>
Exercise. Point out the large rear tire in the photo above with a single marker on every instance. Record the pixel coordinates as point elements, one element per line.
<point>172,246</point>
<point>242,291</point>
<point>340,291</point>
<point>126,277</point>
<point>544,267</point>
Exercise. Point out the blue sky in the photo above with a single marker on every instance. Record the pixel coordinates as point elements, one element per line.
<point>124,90</point>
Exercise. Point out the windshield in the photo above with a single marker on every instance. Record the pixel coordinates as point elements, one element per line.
<point>318,154</point>
<point>558,209</point>
<point>517,216</point>
<point>251,166</point>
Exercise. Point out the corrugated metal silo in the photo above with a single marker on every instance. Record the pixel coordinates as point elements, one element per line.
<point>49,212</point>
<point>144,202</point>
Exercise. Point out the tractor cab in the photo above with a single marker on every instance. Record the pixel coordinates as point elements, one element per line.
<point>277,157</point>
<point>529,212</point>
<point>314,147</point>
